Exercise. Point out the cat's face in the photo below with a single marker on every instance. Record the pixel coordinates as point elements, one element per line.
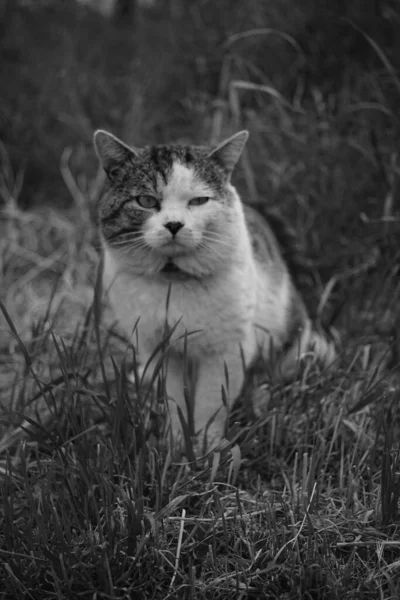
<point>169,207</point>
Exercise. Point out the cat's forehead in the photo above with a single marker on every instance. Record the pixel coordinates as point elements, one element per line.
<point>163,158</point>
<point>181,179</point>
<point>175,165</point>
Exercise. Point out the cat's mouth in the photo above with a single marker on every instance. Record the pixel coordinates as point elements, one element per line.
<point>172,270</point>
<point>171,267</point>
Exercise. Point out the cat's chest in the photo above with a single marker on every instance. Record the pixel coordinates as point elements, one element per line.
<point>211,313</point>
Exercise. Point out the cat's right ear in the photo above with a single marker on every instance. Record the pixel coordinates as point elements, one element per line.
<point>113,153</point>
<point>228,152</point>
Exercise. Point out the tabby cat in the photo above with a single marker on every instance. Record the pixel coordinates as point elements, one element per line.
<point>173,226</point>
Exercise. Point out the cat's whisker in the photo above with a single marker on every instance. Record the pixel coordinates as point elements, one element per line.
<point>129,246</point>
<point>126,241</point>
<point>216,234</point>
<point>126,237</point>
<point>213,253</point>
<point>218,240</point>
<point>129,250</point>
<point>214,246</point>
<point>218,248</point>
<point>216,256</point>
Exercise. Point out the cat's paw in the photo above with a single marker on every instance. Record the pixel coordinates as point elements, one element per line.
<point>131,377</point>
<point>213,441</point>
<point>141,376</point>
<point>261,399</point>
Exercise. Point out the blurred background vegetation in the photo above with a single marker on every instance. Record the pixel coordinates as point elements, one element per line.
<point>315,81</point>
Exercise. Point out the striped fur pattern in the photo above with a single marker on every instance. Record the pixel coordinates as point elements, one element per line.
<point>172,225</point>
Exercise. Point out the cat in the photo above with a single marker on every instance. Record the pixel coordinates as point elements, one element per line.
<point>173,226</point>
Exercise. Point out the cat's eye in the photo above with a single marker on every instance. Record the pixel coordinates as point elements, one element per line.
<point>198,201</point>
<point>147,201</point>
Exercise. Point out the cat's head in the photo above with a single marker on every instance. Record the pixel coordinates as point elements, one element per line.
<point>169,206</point>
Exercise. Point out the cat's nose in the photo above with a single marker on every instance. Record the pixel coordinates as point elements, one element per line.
<point>173,226</point>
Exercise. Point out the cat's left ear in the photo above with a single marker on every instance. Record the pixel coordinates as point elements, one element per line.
<point>112,153</point>
<point>228,152</point>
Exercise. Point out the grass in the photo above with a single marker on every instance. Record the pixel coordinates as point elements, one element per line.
<point>303,501</point>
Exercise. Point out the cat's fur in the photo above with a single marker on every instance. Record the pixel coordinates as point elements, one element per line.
<point>230,288</point>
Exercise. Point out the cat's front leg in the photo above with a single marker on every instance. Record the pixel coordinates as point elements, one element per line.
<point>145,366</point>
<point>171,369</point>
<point>210,413</point>
<point>149,360</point>
<point>175,388</point>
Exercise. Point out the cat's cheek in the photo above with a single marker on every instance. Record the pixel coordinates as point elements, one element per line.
<point>197,237</point>
<point>151,231</point>
<point>212,225</point>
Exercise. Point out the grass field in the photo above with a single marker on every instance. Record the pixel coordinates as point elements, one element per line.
<point>303,503</point>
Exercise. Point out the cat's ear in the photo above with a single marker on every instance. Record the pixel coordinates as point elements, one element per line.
<point>228,152</point>
<point>112,153</point>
